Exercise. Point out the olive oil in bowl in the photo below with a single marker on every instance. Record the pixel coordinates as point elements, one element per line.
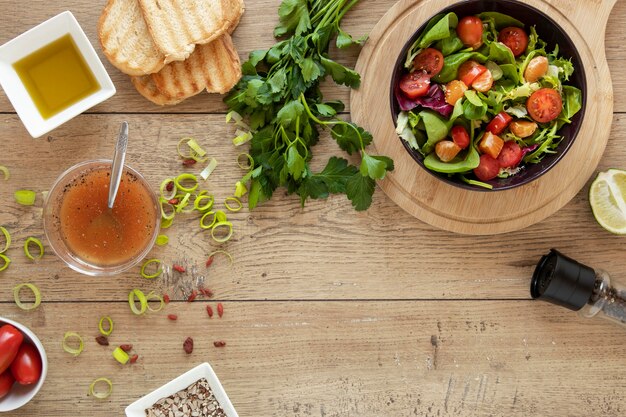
<point>56,76</point>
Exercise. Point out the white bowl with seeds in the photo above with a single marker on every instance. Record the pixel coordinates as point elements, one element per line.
<point>196,393</point>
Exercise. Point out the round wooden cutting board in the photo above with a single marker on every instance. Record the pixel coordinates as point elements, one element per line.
<point>478,212</point>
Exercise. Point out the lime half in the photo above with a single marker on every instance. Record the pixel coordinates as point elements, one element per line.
<point>607,197</point>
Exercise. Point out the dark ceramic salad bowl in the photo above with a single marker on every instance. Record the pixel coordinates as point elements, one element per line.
<point>553,35</point>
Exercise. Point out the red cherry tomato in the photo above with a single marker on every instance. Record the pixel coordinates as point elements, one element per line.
<point>488,169</point>
<point>544,105</point>
<point>26,367</point>
<point>499,123</point>
<point>460,136</point>
<point>429,60</point>
<point>6,382</point>
<point>469,71</point>
<point>415,84</point>
<point>510,155</point>
<point>10,341</point>
<point>515,38</point>
<point>470,31</point>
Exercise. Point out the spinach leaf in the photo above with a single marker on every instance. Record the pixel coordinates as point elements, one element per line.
<point>474,108</point>
<point>573,101</point>
<point>449,45</point>
<point>458,165</point>
<point>437,28</point>
<point>501,20</point>
<point>451,65</point>
<point>501,53</point>
<point>436,129</point>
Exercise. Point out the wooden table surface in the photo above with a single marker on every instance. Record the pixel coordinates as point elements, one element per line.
<point>328,312</point>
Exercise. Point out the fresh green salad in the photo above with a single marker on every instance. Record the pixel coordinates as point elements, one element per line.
<point>482,98</point>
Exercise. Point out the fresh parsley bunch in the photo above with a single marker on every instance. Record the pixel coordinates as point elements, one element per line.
<point>280,97</point>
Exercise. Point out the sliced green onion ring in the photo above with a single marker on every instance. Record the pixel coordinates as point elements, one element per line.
<point>36,293</point>
<point>242,137</point>
<point>6,261</point>
<point>240,189</point>
<point>196,148</point>
<point>248,158</point>
<point>204,216</point>
<point>162,240</point>
<point>109,329</point>
<point>101,395</point>
<point>203,207</point>
<point>228,255</point>
<point>184,203</point>
<point>120,355</point>
<point>220,216</point>
<point>152,296</point>
<point>143,303</point>
<point>166,223</point>
<point>237,119</point>
<point>238,206</point>
<point>156,274</point>
<point>206,172</point>
<point>7,239</point>
<point>167,216</point>
<point>218,226</point>
<point>37,242</point>
<point>25,197</point>
<point>186,177</point>
<point>163,189</point>
<point>68,348</point>
<point>5,171</point>
<point>180,152</point>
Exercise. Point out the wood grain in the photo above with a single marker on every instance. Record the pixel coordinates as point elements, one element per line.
<point>345,359</point>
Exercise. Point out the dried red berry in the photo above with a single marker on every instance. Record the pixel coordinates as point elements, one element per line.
<point>209,311</point>
<point>172,317</point>
<point>126,348</point>
<point>206,292</point>
<point>166,299</point>
<point>102,340</point>
<point>188,345</point>
<point>189,162</point>
<point>170,186</point>
<point>220,309</point>
<point>209,261</point>
<point>219,343</point>
<point>134,358</point>
<point>178,268</point>
<point>173,201</point>
<point>192,296</point>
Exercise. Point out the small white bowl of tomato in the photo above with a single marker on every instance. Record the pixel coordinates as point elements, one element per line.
<point>23,365</point>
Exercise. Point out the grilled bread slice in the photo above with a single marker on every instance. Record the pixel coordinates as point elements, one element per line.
<point>177,26</point>
<point>146,87</point>
<point>125,39</point>
<point>233,14</point>
<point>214,66</point>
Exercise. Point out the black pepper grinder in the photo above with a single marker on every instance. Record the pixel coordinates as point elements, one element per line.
<point>565,282</point>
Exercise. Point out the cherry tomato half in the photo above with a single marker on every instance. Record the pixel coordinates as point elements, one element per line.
<point>544,105</point>
<point>515,38</point>
<point>510,155</point>
<point>26,367</point>
<point>488,168</point>
<point>10,341</point>
<point>6,382</point>
<point>470,31</point>
<point>469,71</point>
<point>429,60</point>
<point>460,136</point>
<point>415,84</point>
<point>499,123</point>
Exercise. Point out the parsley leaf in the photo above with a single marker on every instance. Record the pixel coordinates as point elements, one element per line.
<point>359,190</point>
<point>341,74</point>
<point>375,166</point>
<point>347,137</point>
<point>294,18</point>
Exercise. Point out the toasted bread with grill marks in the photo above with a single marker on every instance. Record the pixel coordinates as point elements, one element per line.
<point>125,39</point>
<point>177,26</point>
<point>146,87</point>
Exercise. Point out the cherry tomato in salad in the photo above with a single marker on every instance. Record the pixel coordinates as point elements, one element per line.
<point>499,123</point>
<point>491,144</point>
<point>26,367</point>
<point>460,136</point>
<point>469,70</point>
<point>510,155</point>
<point>536,68</point>
<point>515,38</point>
<point>470,31</point>
<point>483,82</point>
<point>523,128</point>
<point>487,169</point>
<point>10,341</point>
<point>430,61</point>
<point>415,84</point>
<point>6,382</point>
<point>446,150</point>
<point>455,90</point>
<point>544,105</point>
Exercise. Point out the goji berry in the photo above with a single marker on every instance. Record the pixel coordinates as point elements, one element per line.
<point>170,186</point>
<point>220,309</point>
<point>192,296</point>
<point>134,358</point>
<point>206,292</point>
<point>172,317</point>
<point>102,340</point>
<point>209,311</point>
<point>166,298</point>
<point>219,343</point>
<point>209,261</point>
<point>189,162</point>
<point>188,345</point>
<point>178,268</point>
<point>173,201</point>
<point>126,348</point>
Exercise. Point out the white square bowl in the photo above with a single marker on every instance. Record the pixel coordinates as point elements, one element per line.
<point>204,370</point>
<point>32,40</point>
